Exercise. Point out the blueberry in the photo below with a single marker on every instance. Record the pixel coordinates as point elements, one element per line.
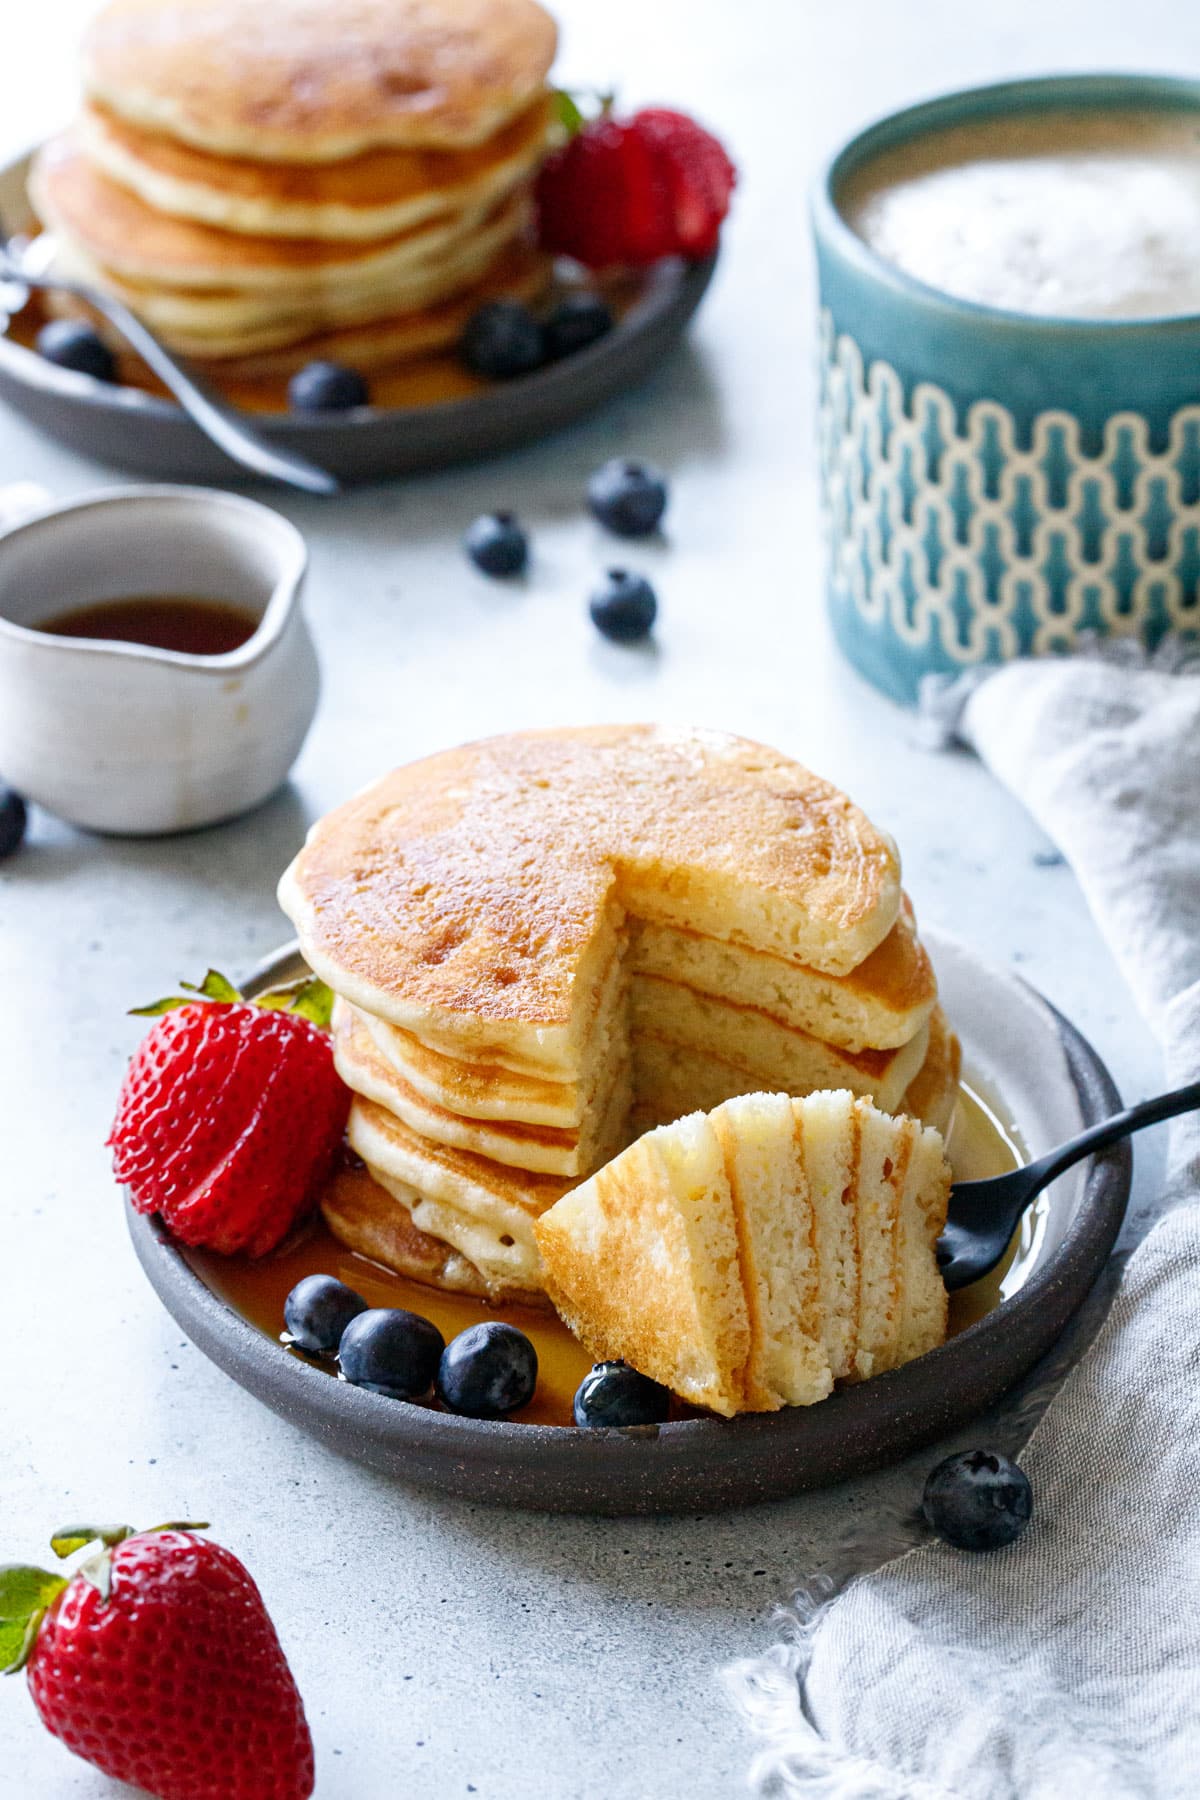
<point>496,544</point>
<point>326,387</point>
<point>614,1394</point>
<point>487,1371</point>
<point>628,497</point>
<point>503,339</point>
<point>625,608</point>
<point>392,1352</point>
<point>13,819</point>
<point>318,1310</point>
<point>978,1501</point>
<point>72,344</point>
<point>577,321</point>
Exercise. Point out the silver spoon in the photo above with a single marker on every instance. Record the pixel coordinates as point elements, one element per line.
<point>22,264</point>
<point>984,1214</point>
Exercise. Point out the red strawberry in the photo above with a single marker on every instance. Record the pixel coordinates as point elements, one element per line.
<point>156,1662</point>
<point>627,192</point>
<point>229,1117</point>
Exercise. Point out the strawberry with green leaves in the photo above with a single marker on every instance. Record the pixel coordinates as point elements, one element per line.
<point>231,1114</point>
<point>157,1663</point>
<point>623,193</point>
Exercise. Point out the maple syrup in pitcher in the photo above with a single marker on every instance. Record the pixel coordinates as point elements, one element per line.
<point>180,622</point>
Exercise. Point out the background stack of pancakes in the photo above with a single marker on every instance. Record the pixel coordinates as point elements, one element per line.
<point>271,181</point>
<point>546,943</point>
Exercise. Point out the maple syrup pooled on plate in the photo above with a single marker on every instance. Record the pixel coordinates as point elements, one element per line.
<point>978,1145</point>
<point>180,622</point>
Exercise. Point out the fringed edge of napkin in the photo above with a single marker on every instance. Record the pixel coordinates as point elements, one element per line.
<point>942,699</point>
<point>768,1691</point>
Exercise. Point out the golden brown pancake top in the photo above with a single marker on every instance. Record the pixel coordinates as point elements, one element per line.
<point>315,80</point>
<point>474,882</point>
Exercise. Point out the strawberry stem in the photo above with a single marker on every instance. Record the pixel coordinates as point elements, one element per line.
<point>71,1538</point>
<point>307,996</point>
<point>573,117</point>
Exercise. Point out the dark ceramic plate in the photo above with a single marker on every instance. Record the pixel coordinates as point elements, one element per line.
<point>1017,1047</point>
<point>152,436</point>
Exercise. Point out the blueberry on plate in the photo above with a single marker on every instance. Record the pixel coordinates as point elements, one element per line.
<point>496,544</point>
<point>978,1500</point>
<point>503,339</point>
<point>625,608</point>
<point>628,497</point>
<point>317,1312</point>
<point>73,344</point>
<point>321,387</point>
<point>487,1371</point>
<point>614,1394</point>
<point>13,819</point>
<point>392,1352</point>
<point>578,320</point>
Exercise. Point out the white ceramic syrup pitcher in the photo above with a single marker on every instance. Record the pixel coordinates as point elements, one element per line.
<point>126,738</point>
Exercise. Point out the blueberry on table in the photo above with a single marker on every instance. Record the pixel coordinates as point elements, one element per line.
<point>625,608</point>
<point>321,387</point>
<point>628,497</point>
<point>392,1352</point>
<point>978,1500</point>
<point>613,1394</point>
<point>487,1371</point>
<point>317,1312</point>
<point>503,339</point>
<point>578,320</point>
<point>13,819</point>
<point>72,344</point>
<point>496,544</point>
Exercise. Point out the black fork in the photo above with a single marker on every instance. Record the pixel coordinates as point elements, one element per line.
<point>984,1214</point>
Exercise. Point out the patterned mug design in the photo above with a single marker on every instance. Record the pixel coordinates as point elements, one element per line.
<point>999,484</point>
<point>960,540</point>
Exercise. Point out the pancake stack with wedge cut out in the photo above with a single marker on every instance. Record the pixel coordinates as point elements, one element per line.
<point>751,1257</point>
<point>266,182</point>
<point>545,943</point>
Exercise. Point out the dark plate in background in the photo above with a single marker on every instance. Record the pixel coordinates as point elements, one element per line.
<point>152,436</point>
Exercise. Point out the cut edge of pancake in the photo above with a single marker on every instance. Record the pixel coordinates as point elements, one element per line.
<point>787,1242</point>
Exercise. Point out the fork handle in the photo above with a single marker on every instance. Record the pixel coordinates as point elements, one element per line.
<point>1112,1131</point>
<point>219,423</point>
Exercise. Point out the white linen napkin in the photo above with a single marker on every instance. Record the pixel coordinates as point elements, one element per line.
<point>1068,1664</point>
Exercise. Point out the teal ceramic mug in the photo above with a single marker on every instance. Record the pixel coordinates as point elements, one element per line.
<point>998,483</point>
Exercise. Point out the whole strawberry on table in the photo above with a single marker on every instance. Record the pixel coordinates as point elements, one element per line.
<point>156,1662</point>
<point>231,1113</point>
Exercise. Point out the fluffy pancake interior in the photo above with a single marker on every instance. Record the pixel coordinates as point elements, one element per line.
<point>658,1221</point>
<point>834,1208</point>
<point>760,1138</point>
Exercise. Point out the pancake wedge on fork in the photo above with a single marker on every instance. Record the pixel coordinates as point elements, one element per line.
<point>723,1257</point>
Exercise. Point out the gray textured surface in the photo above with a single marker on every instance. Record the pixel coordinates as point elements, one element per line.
<point>443,1649</point>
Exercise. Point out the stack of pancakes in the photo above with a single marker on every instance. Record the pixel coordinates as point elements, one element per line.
<point>270,181</point>
<point>787,1243</point>
<point>546,943</point>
